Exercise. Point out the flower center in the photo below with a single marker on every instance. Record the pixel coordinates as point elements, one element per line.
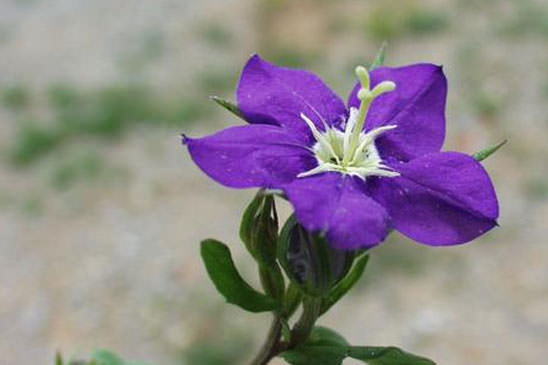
<point>352,151</point>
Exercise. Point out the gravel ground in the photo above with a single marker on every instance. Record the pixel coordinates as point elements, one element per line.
<point>114,262</point>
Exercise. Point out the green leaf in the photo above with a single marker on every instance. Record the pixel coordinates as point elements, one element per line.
<point>379,58</point>
<point>231,107</point>
<point>323,336</point>
<point>346,283</point>
<point>317,355</point>
<point>227,280</point>
<point>486,152</point>
<point>376,355</point>
<point>104,357</point>
<point>324,347</point>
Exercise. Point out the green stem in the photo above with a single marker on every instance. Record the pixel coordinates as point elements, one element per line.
<point>270,347</point>
<point>303,327</point>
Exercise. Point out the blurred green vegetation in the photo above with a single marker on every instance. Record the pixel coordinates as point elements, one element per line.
<point>217,81</point>
<point>211,346</point>
<point>230,349</point>
<point>82,166</point>
<point>398,255</point>
<point>103,113</point>
<point>98,357</point>
<point>528,18</point>
<point>290,57</point>
<point>485,104</point>
<point>147,48</point>
<point>215,34</point>
<point>14,97</point>
<point>536,188</point>
<point>390,20</point>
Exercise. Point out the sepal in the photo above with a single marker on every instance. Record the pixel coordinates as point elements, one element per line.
<point>231,107</point>
<point>486,152</point>
<point>259,233</point>
<point>347,283</point>
<point>379,58</point>
<point>309,261</point>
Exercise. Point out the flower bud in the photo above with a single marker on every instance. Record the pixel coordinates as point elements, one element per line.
<point>259,227</point>
<point>309,260</point>
<point>259,232</point>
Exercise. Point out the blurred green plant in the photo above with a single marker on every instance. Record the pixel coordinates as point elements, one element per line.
<point>485,104</point>
<point>215,81</point>
<point>32,141</point>
<point>289,57</point>
<point>216,35</point>
<point>148,48</point>
<point>536,188</point>
<point>397,256</point>
<point>529,18</point>
<point>393,20</point>
<point>426,21</point>
<point>222,350</point>
<point>32,205</point>
<point>106,113</point>
<point>15,97</point>
<point>81,166</point>
<point>98,357</point>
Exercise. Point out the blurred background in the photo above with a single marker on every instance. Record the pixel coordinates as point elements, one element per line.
<point>101,209</point>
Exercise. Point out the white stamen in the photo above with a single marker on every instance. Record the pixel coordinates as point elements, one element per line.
<point>320,138</point>
<point>352,151</point>
<point>349,127</point>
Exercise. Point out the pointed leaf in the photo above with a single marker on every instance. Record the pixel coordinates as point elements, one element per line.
<point>220,267</point>
<point>346,283</point>
<point>483,154</point>
<point>376,355</point>
<point>379,58</point>
<point>231,107</point>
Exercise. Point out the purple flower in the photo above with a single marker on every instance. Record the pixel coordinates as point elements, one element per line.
<point>356,172</point>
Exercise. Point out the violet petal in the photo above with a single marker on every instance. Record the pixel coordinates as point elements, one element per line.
<point>251,156</point>
<point>416,106</point>
<point>338,205</point>
<point>443,198</point>
<point>269,94</point>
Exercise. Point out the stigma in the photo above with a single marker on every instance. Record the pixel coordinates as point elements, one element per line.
<point>352,151</point>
